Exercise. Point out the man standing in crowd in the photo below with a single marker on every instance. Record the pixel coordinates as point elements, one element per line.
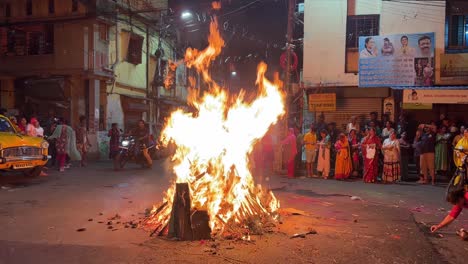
<point>427,153</point>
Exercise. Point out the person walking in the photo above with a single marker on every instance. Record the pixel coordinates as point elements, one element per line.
<point>370,145</point>
<point>343,164</point>
<point>323,164</point>
<point>82,141</point>
<point>65,145</point>
<point>290,148</point>
<point>310,143</point>
<point>391,150</point>
<point>114,142</point>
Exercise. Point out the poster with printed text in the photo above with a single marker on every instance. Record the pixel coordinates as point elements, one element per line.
<point>397,60</point>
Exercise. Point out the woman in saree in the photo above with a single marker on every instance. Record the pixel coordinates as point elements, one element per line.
<point>343,164</point>
<point>391,150</point>
<point>370,145</point>
<point>65,145</point>
<point>323,163</point>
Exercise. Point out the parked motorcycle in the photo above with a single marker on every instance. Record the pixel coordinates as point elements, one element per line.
<point>130,151</point>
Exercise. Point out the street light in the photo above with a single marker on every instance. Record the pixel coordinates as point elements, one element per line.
<point>186,15</point>
<point>233,73</point>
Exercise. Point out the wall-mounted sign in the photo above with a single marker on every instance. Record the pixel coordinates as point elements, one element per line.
<point>454,69</point>
<point>435,96</point>
<point>396,60</point>
<point>322,102</point>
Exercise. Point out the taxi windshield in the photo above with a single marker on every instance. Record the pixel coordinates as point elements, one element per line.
<point>5,126</point>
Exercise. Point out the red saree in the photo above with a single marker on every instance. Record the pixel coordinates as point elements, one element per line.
<point>371,164</point>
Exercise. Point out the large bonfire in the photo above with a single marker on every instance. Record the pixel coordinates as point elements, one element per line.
<point>213,145</point>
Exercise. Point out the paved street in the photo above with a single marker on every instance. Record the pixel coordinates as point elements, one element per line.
<point>39,219</point>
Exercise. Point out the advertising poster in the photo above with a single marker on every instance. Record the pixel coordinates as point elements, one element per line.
<point>435,96</point>
<point>397,60</point>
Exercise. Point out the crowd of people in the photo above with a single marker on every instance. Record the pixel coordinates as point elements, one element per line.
<point>375,152</point>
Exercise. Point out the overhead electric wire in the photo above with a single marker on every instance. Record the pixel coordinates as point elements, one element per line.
<point>240,8</point>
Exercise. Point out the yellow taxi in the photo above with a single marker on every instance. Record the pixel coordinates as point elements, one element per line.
<point>19,152</point>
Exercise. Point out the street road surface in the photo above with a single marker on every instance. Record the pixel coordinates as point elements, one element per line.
<point>355,222</point>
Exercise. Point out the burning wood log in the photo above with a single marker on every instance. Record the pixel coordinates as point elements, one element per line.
<point>179,223</point>
<point>200,225</point>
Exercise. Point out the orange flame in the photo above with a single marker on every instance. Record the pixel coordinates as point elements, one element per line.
<point>216,5</point>
<point>213,146</point>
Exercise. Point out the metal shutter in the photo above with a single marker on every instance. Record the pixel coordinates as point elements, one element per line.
<point>348,107</point>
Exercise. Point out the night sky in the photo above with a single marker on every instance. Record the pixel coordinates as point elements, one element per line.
<point>258,29</point>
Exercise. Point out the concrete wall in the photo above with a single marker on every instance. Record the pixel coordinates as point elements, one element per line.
<point>76,44</point>
<point>325,33</point>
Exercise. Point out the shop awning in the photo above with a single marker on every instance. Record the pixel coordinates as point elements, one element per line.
<point>429,87</point>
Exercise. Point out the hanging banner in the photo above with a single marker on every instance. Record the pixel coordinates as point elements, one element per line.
<point>435,96</point>
<point>396,60</point>
<point>454,69</point>
<point>322,102</point>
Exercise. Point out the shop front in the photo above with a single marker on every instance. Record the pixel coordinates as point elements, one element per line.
<point>339,104</point>
<point>134,109</point>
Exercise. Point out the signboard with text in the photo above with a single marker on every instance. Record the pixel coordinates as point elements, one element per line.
<point>325,102</point>
<point>396,60</point>
<point>435,96</point>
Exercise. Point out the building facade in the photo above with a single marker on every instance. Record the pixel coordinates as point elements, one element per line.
<point>103,59</point>
<point>54,58</point>
<point>331,52</point>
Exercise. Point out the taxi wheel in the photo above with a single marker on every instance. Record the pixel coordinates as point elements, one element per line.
<point>34,172</point>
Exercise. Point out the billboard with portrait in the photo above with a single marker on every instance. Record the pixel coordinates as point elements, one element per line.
<point>397,60</point>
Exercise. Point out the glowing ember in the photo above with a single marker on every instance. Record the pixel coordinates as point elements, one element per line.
<point>213,145</point>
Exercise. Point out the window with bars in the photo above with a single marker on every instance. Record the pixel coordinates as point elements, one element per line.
<point>456,33</point>
<point>361,25</point>
<point>357,26</point>
<point>21,42</point>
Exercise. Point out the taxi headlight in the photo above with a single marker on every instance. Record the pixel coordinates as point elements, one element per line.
<point>44,144</point>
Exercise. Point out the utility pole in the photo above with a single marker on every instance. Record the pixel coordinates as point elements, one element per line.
<point>289,37</point>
